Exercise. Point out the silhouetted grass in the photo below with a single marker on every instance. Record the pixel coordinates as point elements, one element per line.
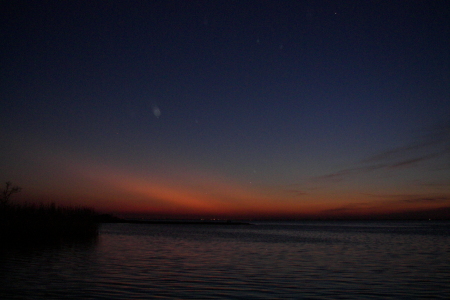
<point>31,223</point>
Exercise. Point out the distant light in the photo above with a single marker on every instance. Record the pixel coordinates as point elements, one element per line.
<point>156,111</point>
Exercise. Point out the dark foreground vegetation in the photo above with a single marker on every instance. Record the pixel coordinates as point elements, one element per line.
<point>43,223</point>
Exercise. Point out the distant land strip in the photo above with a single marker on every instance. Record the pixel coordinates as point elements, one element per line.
<point>112,219</point>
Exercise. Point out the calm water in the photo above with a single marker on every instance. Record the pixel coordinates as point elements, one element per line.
<point>262,261</point>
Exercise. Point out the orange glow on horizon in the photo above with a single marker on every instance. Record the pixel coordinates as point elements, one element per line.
<point>196,193</point>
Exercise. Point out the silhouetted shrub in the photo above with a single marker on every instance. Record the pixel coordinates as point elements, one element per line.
<point>42,223</point>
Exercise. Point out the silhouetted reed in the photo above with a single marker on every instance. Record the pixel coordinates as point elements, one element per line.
<point>24,223</point>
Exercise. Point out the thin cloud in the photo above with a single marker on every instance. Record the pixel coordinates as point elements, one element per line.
<point>435,184</point>
<point>436,139</point>
<point>348,208</point>
<point>389,195</point>
<point>296,192</point>
<point>342,174</point>
<point>442,199</point>
<point>432,145</point>
<point>412,161</point>
<point>413,198</point>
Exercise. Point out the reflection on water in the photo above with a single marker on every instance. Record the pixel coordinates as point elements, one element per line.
<point>264,261</point>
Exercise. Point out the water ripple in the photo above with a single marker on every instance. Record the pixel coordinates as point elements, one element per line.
<point>267,261</point>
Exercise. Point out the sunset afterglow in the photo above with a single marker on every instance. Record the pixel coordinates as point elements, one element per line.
<point>229,110</point>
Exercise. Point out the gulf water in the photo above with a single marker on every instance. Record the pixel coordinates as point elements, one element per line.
<point>309,260</point>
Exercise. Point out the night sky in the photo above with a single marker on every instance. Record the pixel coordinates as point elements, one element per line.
<point>228,109</point>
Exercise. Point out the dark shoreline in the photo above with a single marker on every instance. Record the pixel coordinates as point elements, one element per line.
<point>181,222</point>
<point>174,222</point>
<point>108,218</point>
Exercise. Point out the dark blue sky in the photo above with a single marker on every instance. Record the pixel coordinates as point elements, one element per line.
<point>228,107</point>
